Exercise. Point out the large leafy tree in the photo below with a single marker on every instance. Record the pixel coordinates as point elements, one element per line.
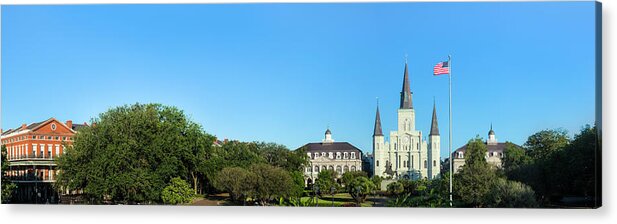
<point>360,188</point>
<point>270,182</point>
<point>238,182</point>
<point>542,144</point>
<point>326,180</point>
<point>130,154</point>
<point>7,186</point>
<point>177,192</point>
<point>348,177</point>
<point>474,180</point>
<point>280,156</point>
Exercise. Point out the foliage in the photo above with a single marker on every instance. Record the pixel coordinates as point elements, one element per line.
<point>7,187</point>
<point>515,156</point>
<point>510,194</point>
<point>177,192</point>
<point>377,181</point>
<point>544,143</point>
<point>473,181</point>
<point>297,188</point>
<point>350,176</point>
<point>132,152</point>
<point>270,182</point>
<point>360,187</point>
<point>236,181</point>
<point>278,155</point>
<point>326,180</point>
<point>396,188</point>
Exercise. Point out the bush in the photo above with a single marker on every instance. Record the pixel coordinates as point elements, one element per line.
<point>177,192</point>
<point>511,194</point>
<point>396,188</point>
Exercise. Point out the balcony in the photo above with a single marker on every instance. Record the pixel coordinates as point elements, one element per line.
<point>30,157</point>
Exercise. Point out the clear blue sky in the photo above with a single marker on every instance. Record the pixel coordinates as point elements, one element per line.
<point>284,72</point>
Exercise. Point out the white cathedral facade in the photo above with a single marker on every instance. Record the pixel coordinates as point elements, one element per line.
<point>406,155</point>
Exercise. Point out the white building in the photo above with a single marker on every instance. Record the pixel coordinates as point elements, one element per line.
<point>406,155</point>
<point>341,157</point>
<point>494,152</point>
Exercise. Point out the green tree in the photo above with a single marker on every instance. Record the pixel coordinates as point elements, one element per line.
<point>474,180</point>
<point>238,182</point>
<point>7,186</point>
<point>132,152</point>
<point>377,181</point>
<point>177,192</point>
<point>515,156</point>
<point>350,176</point>
<point>297,189</point>
<point>280,156</point>
<point>326,180</point>
<point>361,187</point>
<point>396,188</point>
<point>543,143</point>
<point>510,194</point>
<point>270,182</point>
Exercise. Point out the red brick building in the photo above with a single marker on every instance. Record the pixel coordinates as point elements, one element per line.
<point>31,150</point>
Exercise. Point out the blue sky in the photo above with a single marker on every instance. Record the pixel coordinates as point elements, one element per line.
<point>285,72</point>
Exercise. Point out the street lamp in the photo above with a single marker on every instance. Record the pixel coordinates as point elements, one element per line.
<point>332,191</point>
<point>316,190</point>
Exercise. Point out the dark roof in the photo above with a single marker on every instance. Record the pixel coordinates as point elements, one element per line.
<point>491,132</point>
<point>377,130</point>
<point>406,102</point>
<point>31,126</point>
<point>76,127</point>
<point>334,146</point>
<point>328,131</point>
<point>434,126</point>
<point>499,147</point>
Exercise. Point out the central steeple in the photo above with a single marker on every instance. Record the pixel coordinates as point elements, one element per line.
<point>377,131</point>
<point>406,102</point>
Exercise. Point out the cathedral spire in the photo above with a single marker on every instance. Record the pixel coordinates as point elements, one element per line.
<point>434,126</point>
<point>377,130</point>
<point>406,92</point>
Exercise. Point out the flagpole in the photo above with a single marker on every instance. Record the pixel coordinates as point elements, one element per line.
<point>450,121</point>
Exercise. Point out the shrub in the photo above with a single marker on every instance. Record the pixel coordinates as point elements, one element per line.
<point>177,192</point>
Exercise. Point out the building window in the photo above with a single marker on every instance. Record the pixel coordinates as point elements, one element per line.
<point>331,155</point>
<point>316,169</point>
<point>490,154</point>
<point>49,151</point>
<point>353,155</point>
<point>338,155</point>
<point>353,168</point>
<point>309,169</point>
<point>346,169</point>
<point>425,164</point>
<point>324,168</point>
<point>377,163</point>
<point>323,154</point>
<point>346,155</point>
<point>57,150</point>
<point>316,155</point>
<point>53,127</point>
<point>339,169</point>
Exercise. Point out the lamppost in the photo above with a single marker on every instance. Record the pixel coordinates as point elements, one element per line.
<point>358,190</point>
<point>332,191</point>
<point>316,190</point>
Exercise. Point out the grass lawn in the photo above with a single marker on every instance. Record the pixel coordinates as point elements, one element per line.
<point>339,200</point>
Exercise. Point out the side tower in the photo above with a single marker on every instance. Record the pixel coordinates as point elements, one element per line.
<point>406,114</point>
<point>378,146</point>
<point>434,147</point>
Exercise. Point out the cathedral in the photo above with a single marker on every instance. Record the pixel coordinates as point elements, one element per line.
<point>406,155</point>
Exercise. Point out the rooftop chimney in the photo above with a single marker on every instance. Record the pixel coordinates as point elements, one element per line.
<point>23,126</point>
<point>69,123</point>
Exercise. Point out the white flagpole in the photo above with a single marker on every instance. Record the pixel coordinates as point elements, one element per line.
<point>450,121</point>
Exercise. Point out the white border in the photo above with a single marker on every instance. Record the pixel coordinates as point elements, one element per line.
<point>180,214</point>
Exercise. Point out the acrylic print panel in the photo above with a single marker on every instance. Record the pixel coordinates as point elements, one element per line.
<point>429,104</point>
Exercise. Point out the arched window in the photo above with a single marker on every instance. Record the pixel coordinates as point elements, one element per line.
<point>323,154</point>
<point>331,168</point>
<point>339,169</point>
<point>310,169</point>
<point>345,155</point>
<point>434,163</point>
<point>346,169</point>
<point>324,168</point>
<point>353,168</point>
<point>338,155</point>
<point>316,169</point>
<point>353,155</point>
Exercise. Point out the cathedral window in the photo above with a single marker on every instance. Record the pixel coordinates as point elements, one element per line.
<point>425,164</point>
<point>377,163</point>
<point>434,163</point>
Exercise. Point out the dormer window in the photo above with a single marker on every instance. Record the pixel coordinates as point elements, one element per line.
<point>323,154</point>
<point>353,155</point>
<point>338,155</point>
<point>346,155</point>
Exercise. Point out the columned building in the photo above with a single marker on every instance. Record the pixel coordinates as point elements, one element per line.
<point>406,155</point>
<point>341,157</point>
<point>31,150</point>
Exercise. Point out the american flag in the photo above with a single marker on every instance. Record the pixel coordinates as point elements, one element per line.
<point>441,68</point>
